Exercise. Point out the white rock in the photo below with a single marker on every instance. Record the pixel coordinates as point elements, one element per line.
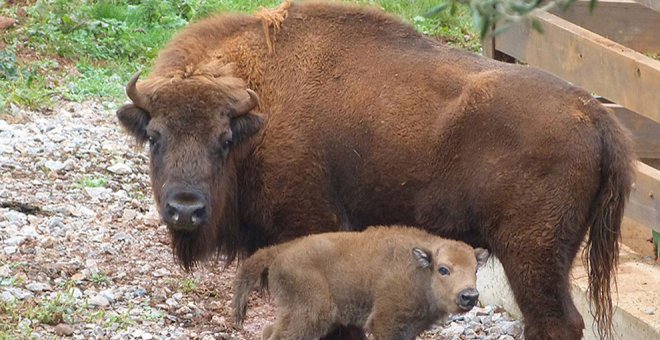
<point>54,165</point>
<point>38,286</point>
<point>649,311</point>
<point>9,250</point>
<point>15,241</point>
<point>177,296</point>
<point>5,271</point>
<point>147,336</point>
<point>19,293</point>
<point>16,218</point>
<point>7,297</point>
<point>129,215</point>
<point>108,294</point>
<point>160,272</point>
<point>76,292</point>
<point>6,149</point>
<point>97,192</point>
<point>120,169</point>
<point>451,331</point>
<point>29,232</point>
<point>99,301</point>
<point>86,211</point>
<point>513,328</point>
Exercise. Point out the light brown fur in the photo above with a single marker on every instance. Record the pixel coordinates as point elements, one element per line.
<point>369,279</point>
<point>368,122</point>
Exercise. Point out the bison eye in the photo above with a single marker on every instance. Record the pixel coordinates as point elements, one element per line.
<point>153,137</point>
<point>228,143</point>
<point>443,271</point>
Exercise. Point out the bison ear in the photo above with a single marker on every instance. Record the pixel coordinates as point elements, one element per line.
<point>246,125</point>
<point>482,256</point>
<point>423,257</point>
<point>134,120</point>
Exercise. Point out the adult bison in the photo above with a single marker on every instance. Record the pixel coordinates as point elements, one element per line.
<point>364,121</point>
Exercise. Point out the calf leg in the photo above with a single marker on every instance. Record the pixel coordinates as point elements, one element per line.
<point>537,263</point>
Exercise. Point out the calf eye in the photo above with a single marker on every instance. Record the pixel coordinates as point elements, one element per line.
<point>443,271</point>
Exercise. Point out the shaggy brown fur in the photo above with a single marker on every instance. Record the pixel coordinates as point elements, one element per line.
<point>371,123</point>
<point>394,281</point>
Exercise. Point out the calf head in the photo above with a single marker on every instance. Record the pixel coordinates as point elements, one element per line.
<point>452,268</point>
<point>196,125</point>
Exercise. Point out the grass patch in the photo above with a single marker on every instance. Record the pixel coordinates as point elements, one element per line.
<point>100,280</point>
<point>188,285</point>
<point>80,49</point>
<point>93,182</point>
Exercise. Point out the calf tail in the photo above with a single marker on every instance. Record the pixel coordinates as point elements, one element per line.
<point>252,275</point>
<point>602,248</point>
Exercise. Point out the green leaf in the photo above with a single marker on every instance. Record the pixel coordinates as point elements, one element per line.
<point>536,25</point>
<point>437,9</point>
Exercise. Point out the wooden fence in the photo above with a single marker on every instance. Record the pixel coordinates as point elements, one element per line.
<point>608,52</point>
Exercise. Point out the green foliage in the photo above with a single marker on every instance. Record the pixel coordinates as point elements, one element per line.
<point>79,49</point>
<point>486,13</point>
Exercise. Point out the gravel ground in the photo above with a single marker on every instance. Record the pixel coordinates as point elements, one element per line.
<point>83,254</point>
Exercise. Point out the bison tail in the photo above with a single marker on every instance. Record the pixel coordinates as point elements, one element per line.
<point>602,248</point>
<point>252,275</point>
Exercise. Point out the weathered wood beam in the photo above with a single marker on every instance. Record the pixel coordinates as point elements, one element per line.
<point>644,203</point>
<point>623,21</point>
<point>588,60</point>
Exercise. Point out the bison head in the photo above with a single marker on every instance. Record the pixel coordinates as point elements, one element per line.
<point>197,127</point>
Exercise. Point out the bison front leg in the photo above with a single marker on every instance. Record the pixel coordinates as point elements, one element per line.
<point>346,333</point>
<point>538,272</point>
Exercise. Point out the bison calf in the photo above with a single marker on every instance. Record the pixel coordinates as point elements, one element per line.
<point>394,281</point>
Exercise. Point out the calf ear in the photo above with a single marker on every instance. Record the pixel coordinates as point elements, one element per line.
<point>422,256</point>
<point>482,256</point>
<point>246,125</point>
<point>134,120</point>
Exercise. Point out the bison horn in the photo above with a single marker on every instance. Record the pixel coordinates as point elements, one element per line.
<point>247,105</point>
<point>133,94</point>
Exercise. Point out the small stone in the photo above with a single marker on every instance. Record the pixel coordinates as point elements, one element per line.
<point>9,250</point>
<point>108,294</point>
<point>120,169</point>
<point>15,241</point>
<point>649,311</point>
<point>137,333</point>
<point>129,215</point>
<point>99,301</point>
<point>177,296</point>
<point>147,336</point>
<point>38,287</point>
<point>513,328</point>
<point>87,212</point>
<point>495,330</point>
<point>5,271</point>
<point>140,292</point>
<point>451,331</point>
<point>219,320</point>
<point>76,292</point>
<point>7,297</point>
<point>16,218</point>
<point>54,165</point>
<point>96,192</point>
<point>6,22</point>
<point>19,293</point>
<point>29,232</point>
<point>160,272</point>
<point>171,302</point>
<point>55,222</point>
<point>78,276</point>
<point>63,330</point>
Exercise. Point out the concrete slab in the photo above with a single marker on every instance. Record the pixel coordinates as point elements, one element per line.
<point>637,315</point>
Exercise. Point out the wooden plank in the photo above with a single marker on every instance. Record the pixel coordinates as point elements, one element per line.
<point>652,4</point>
<point>623,21</point>
<point>588,60</point>
<point>644,203</point>
<point>645,132</point>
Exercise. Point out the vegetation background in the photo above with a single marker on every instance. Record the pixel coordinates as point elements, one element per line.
<point>81,49</point>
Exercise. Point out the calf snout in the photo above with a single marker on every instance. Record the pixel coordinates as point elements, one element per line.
<point>185,211</point>
<point>468,298</point>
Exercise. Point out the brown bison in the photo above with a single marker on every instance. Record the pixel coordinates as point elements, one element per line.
<point>363,121</point>
<point>394,281</point>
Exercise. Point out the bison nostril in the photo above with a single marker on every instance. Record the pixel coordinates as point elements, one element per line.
<point>469,297</point>
<point>185,211</point>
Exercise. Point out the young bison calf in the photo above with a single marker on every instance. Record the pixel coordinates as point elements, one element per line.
<point>393,281</point>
